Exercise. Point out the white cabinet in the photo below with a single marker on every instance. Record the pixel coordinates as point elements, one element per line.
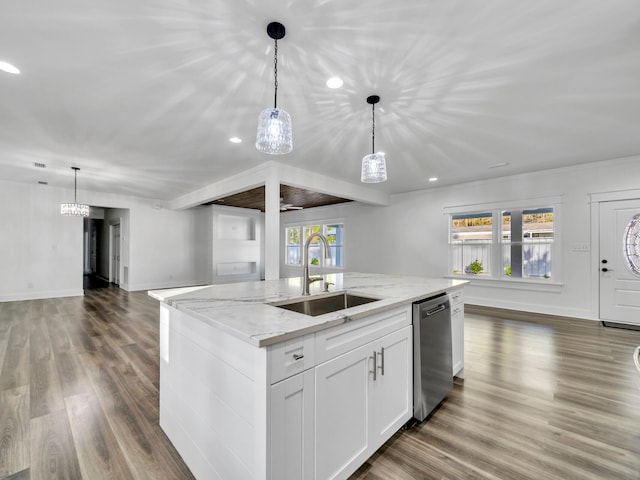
<point>292,432</point>
<point>457,332</point>
<point>393,387</point>
<point>342,412</point>
<point>362,398</point>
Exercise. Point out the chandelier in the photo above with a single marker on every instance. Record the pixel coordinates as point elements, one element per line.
<point>274,124</point>
<point>75,209</point>
<point>374,165</point>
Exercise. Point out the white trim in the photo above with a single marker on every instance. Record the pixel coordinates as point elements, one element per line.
<point>162,285</point>
<point>495,209</point>
<point>504,205</point>
<point>515,284</point>
<point>614,196</point>
<point>317,268</point>
<point>546,309</point>
<point>40,295</point>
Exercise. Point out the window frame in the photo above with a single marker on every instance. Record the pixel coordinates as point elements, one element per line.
<point>323,224</point>
<point>496,274</point>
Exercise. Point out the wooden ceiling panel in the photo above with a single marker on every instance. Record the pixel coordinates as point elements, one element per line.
<point>295,196</point>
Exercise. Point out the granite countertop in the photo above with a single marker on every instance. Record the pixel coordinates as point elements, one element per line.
<point>242,310</point>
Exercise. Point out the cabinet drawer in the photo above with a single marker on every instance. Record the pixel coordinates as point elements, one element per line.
<point>455,297</point>
<point>338,340</point>
<point>291,357</point>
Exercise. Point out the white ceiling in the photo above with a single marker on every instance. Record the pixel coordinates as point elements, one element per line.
<point>143,95</point>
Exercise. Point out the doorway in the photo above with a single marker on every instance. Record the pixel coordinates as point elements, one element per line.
<point>619,262</point>
<point>114,258</point>
<point>93,252</point>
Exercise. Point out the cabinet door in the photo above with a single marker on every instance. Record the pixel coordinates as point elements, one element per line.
<point>292,428</point>
<point>457,339</point>
<point>342,413</point>
<point>392,402</point>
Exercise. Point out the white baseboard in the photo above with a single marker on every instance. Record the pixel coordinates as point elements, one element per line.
<point>161,285</point>
<point>19,296</point>
<point>532,308</point>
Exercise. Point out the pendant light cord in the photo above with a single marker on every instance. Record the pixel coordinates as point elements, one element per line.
<point>275,73</point>
<point>373,128</point>
<point>75,187</point>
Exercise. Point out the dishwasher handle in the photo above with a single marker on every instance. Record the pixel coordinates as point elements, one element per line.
<point>438,309</point>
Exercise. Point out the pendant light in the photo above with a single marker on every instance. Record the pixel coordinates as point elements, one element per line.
<point>274,124</point>
<point>75,209</point>
<point>374,165</point>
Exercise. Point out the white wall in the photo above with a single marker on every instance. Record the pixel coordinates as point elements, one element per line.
<point>410,236</point>
<point>41,251</point>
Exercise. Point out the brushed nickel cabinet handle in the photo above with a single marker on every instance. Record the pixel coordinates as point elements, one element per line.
<point>382,361</point>
<point>298,356</point>
<point>375,365</point>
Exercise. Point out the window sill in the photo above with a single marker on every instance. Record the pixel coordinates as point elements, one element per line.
<point>515,284</point>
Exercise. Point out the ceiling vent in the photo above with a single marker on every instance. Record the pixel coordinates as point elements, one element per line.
<point>39,165</point>
<point>40,182</point>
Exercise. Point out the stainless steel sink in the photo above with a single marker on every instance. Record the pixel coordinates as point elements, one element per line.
<point>315,306</point>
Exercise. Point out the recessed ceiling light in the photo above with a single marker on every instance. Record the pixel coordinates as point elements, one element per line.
<point>7,67</point>
<point>335,82</point>
<point>433,179</point>
<point>235,140</point>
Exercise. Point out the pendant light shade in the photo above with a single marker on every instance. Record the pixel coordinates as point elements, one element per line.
<point>374,168</point>
<point>274,132</point>
<point>374,165</point>
<point>274,124</point>
<point>74,209</point>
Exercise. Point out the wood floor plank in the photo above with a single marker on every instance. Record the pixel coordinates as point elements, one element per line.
<point>145,456</point>
<point>39,338</point>
<point>15,367</point>
<point>53,453</point>
<point>23,475</point>
<point>14,430</point>
<point>45,391</point>
<point>71,373</point>
<point>99,454</point>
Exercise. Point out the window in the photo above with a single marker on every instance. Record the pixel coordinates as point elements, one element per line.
<point>506,244</point>
<point>296,236</point>
<point>471,238</point>
<point>527,240</point>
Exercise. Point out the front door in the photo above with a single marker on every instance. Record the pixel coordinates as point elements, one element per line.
<point>619,267</point>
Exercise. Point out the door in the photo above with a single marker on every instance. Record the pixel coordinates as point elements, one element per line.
<point>342,413</point>
<point>115,252</point>
<point>619,267</point>
<point>93,248</point>
<point>392,403</point>
<point>292,429</point>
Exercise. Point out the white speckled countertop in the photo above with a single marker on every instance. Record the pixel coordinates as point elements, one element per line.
<point>242,309</point>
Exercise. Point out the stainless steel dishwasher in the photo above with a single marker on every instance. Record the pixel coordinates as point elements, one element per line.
<point>432,364</point>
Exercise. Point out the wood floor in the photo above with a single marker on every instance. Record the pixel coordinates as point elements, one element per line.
<point>79,390</point>
<point>543,398</point>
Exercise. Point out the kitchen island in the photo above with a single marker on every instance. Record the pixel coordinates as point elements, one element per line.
<point>251,390</point>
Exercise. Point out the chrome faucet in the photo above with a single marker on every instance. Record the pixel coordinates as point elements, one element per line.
<point>306,279</point>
